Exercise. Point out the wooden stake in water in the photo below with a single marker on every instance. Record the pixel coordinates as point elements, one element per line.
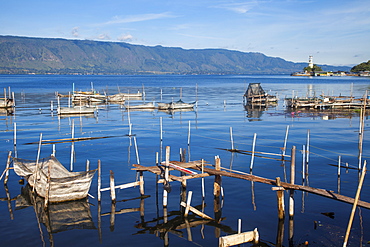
<point>54,151</point>
<point>99,180</point>
<point>189,134</point>
<point>136,151</point>
<point>253,148</point>
<point>339,161</point>
<point>166,175</point>
<point>188,201</point>
<point>87,165</point>
<point>355,204</point>
<point>15,140</point>
<point>203,191</point>
<point>285,141</point>
<point>291,195</point>
<point>307,149</point>
<point>161,129</point>
<point>6,171</point>
<point>141,179</point>
<point>231,138</point>
<point>217,183</point>
<point>72,144</point>
<point>280,199</point>
<point>112,189</point>
<point>303,163</point>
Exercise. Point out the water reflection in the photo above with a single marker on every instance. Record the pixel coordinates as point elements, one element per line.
<point>57,217</point>
<point>254,112</point>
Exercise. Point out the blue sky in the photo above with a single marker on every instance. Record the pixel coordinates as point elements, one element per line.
<point>335,32</point>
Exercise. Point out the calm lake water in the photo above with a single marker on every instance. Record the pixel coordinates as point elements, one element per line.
<point>220,106</point>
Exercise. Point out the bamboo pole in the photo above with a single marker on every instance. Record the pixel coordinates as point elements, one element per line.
<point>15,140</point>
<point>355,204</point>
<point>292,181</point>
<point>189,134</point>
<point>161,129</point>
<point>303,163</point>
<point>280,199</point>
<point>112,189</point>
<point>99,180</point>
<point>285,142</point>
<point>217,183</point>
<point>307,149</point>
<point>72,144</point>
<point>231,138</point>
<point>141,176</point>
<point>6,171</point>
<point>339,161</point>
<point>253,148</point>
<point>203,191</point>
<point>166,176</point>
<point>188,201</point>
<point>136,151</point>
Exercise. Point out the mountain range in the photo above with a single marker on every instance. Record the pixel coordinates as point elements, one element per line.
<point>26,55</point>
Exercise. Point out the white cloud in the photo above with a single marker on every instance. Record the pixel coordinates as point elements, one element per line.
<point>75,32</point>
<point>137,18</point>
<point>240,8</point>
<point>103,36</point>
<point>125,37</point>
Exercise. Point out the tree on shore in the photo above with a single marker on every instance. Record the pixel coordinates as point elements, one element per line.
<point>315,68</point>
<point>365,66</point>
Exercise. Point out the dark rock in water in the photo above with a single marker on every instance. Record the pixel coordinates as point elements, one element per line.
<point>21,181</point>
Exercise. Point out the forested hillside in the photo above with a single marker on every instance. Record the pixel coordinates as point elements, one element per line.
<point>23,55</point>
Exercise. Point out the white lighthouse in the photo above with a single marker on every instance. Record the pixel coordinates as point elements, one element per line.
<point>310,62</point>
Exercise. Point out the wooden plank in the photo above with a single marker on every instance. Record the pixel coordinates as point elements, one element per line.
<point>240,238</point>
<point>123,186</point>
<point>321,192</point>
<point>196,211</point>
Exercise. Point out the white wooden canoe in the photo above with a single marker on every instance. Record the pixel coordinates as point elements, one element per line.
<point>76,110</point>
<point>149,105</point>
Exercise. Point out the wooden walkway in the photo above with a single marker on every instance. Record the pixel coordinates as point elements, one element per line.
<point>196,165</point>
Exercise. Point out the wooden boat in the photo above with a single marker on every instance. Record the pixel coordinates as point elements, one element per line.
<point>76,110</point>
<point>175,105</point>
<point>256,95</point>
<point>6,103</point>
<point>149,105</point>
<point>121,97</point>
<point>64,185</point>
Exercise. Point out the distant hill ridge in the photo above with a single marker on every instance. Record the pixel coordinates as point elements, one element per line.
<point>25,55</point>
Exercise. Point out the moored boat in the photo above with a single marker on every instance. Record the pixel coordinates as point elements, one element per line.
<point>76,110</point>
<point>149,105</point>
<point>175,105</point>
<point>64,185</point>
